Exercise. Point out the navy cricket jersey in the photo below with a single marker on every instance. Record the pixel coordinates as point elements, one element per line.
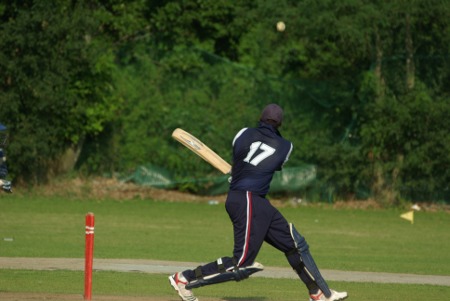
<point>257,154</point>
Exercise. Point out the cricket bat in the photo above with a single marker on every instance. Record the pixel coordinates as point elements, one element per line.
<point>203,151</point>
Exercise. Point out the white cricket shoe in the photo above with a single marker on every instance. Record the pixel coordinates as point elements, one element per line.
<point>178,282</point>
<point>335,296</point>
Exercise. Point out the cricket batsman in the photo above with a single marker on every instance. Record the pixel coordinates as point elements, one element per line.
<point>257,153</point>
<point>5,185</point>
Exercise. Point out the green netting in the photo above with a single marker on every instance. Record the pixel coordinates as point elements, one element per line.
<point>289,180</point>
<point>292,179</point>
<point>153,176</point>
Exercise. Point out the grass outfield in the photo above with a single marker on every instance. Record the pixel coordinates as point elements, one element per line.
<point>131,285</point>
<point>341,239</point>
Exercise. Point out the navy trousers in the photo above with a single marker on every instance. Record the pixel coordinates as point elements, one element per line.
<point>254,220</point>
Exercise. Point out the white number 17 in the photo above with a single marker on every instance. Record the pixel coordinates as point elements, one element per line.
<point>258,145</point>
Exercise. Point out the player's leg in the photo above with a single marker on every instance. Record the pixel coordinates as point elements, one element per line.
<point>311,269</point>
<point>250,215</point>
<point>240,208</point>
<point>246,211</point>
<point>284,237</point>
<point>247,242</point>
<point>279,236</point>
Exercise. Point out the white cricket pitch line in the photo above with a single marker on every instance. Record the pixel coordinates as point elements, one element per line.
<point>169,267</point>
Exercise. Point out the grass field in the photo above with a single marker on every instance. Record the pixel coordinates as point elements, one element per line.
<point>341,239</point>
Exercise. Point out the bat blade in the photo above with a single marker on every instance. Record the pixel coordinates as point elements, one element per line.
<point>200,149</point>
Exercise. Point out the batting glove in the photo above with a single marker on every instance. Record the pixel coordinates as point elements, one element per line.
<point>6,186</point>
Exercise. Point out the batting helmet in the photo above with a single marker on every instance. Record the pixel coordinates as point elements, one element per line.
<point>272,114</point>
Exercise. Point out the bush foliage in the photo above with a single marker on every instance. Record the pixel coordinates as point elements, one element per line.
<point>103,84</point>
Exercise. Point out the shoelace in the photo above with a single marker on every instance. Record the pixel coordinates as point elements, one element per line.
<point>186,298</point>
<point>316,296</point>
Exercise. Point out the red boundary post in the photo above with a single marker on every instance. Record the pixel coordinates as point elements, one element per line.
<point>89,256</point>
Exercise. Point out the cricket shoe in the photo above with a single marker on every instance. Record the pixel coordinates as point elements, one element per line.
<point>335,296</point>
<point>178,282</point>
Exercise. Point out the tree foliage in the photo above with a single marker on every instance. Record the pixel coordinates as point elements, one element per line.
<point>56,88</point>
<point>364,85</point>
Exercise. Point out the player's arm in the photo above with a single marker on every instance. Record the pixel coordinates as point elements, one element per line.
<point>288,154</point>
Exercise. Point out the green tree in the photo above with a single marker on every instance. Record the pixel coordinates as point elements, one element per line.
<point>200,54</point>
<point>114,78</point>
<point>56,85</point>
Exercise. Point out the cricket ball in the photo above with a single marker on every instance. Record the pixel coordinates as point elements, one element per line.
<point>281,26</point>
